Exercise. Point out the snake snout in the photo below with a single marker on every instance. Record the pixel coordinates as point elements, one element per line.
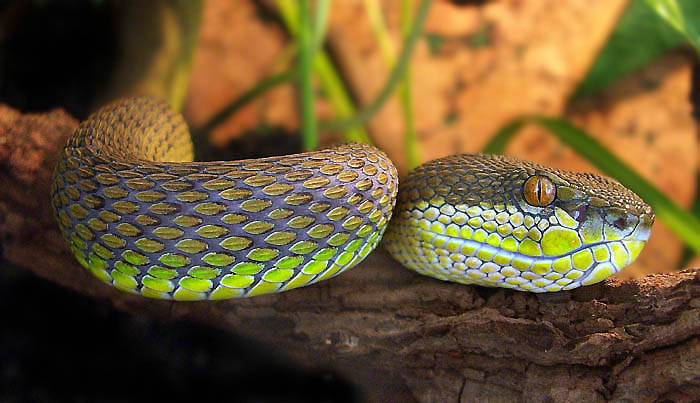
<point>643,229</point>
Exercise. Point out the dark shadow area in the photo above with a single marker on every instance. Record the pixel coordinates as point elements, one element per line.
<point>265,141</point>
<point>55,53</point>
<point>58,346</point>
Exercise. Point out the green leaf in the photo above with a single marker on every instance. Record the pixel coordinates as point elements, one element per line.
<point>682,15</point>
<point>435,42</point>
<point>481,38</point>
<point>499,141</point>
<point>639,37</point>
<point>320,23</point>
<point>684,224</point>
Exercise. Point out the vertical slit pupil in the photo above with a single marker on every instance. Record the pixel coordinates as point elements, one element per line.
<point>539,191</point>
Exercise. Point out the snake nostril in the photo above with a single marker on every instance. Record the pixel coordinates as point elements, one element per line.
<point>620,223</point>
<point>580,213</point>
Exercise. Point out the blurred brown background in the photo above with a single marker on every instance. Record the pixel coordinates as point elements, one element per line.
<point>485,63</point>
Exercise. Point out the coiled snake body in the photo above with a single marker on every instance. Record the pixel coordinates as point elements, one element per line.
<point>141,217</point>
<point>197,230</point>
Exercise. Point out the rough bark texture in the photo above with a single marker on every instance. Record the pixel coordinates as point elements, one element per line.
<point>400,336</point>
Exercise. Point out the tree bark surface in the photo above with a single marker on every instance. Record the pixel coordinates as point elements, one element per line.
<point>398,335</point>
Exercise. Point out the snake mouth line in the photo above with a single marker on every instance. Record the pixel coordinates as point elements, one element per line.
<point>504,252</point>
<point>639,234</point>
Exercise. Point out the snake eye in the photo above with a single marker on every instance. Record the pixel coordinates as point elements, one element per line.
<point>539,190</point>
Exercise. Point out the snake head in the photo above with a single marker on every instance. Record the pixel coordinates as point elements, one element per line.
<point>503,222</point>
<point>593,220</point>
<point>602,206</point>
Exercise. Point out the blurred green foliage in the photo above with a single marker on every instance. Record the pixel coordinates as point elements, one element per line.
<point>682,15</point>
<point>639,37</point>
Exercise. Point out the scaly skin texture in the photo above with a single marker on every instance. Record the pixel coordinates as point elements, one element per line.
<point>141,217</point>
<point>465,219</point>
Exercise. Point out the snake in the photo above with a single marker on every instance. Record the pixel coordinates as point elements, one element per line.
<point>139,214</point>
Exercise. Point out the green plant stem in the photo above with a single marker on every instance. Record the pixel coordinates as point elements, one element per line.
<point>381,33</point>
<point>245,98</point>
<point>320,23</point>
<point>405,94</point>
<point>684,224</point>
<point>329,79</point>
<point>189,15</point>
<point>394,78</point>
<point>386,49</point>
<point>309,131</point>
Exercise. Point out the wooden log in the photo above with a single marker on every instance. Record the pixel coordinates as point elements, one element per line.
<point>398,335</point>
